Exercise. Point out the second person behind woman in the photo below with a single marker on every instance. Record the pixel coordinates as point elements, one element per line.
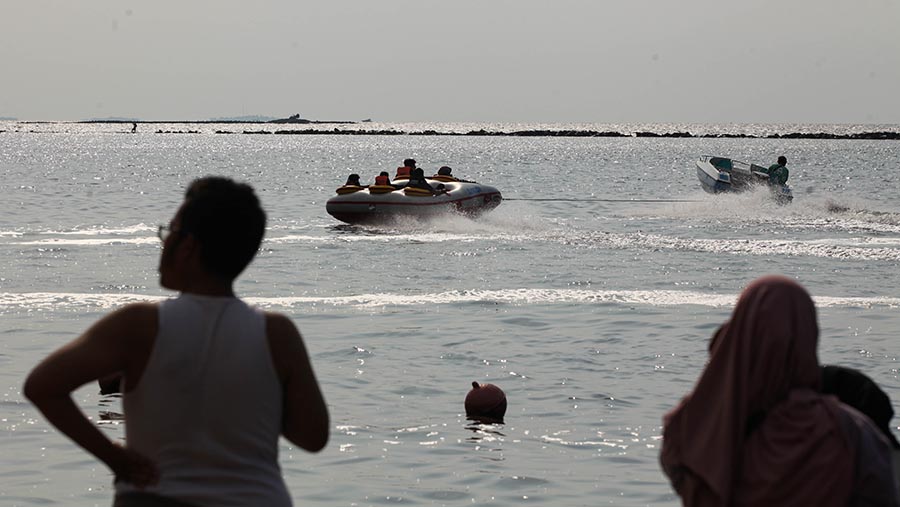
<point>757,430</point>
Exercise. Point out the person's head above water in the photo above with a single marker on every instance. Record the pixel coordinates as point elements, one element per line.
<point>353,179</point>
<point>444,171</point>
<point>782,160</point>
<point>383,173</point>
<point>224,220</point>
<point>409,163</point>
<point>485,402</point>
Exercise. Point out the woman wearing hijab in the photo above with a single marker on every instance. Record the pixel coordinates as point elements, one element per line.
<point>757,431</point>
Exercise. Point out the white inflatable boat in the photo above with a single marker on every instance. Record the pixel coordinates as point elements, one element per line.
<point>381,203</point>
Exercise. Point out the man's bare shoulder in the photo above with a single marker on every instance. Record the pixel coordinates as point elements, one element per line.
<point>134,318</point>
<point>141,310</point>
<point>280,327</point>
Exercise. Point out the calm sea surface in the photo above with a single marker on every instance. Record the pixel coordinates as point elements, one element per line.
<point>592,313</point>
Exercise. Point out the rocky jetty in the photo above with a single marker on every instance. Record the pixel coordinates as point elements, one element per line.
<point>577,133</point>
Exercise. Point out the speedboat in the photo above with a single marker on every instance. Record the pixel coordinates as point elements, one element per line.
<point>720,174</point>
<point>382,203</point>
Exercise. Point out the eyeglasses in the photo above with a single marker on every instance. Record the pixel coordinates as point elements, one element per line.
<point>164,231</point>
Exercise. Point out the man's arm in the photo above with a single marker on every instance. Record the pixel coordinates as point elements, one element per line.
<point>305,420</point>
<point>105,348</point>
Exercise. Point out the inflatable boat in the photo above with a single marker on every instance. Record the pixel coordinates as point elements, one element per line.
<point>381,203</point>
<point>720,174</point>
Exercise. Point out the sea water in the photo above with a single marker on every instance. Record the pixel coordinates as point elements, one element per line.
<point>588,296</point>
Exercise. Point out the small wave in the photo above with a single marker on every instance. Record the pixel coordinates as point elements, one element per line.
<point>298,238</point>
<point>98,231</point>
<point>794,248</point>
<point>88,242</point>
<point>385,238</point>
<point>88,230</point>
<point>58,300</point>
<point>858,241</point>
<point>658,298</point>
<point>850,248</point>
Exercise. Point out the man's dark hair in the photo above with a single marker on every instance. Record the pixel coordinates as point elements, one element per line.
<point>227,220</point>
<point>782,160</point>
<point>409,163</point>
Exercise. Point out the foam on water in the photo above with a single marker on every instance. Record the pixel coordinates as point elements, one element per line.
<point>500,222</point>
<point>755,207</point>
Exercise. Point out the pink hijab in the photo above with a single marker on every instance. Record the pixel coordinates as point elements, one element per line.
<point>756,430</point>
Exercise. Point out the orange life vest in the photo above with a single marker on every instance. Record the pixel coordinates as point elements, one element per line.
<point>403,171</point>
<point>382,180</point>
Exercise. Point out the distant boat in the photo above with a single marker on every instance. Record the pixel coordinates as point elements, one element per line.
<point>720,174</point>
<point>296,119</point>
<point>291,119</point>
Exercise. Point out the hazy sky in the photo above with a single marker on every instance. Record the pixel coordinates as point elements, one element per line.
<point>744,61</point>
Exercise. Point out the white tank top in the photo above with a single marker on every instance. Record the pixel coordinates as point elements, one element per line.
<point>208,407</point>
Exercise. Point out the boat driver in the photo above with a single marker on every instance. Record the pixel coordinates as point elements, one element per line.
<point>778,173</point>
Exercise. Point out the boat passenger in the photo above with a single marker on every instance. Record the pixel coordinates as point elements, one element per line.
<point>778,173</point>
<point>353,180</point>
<point>417,180</point>
<point>406,170</point>
<point>757,428</point>
<point>383,179</point>
<point>445,172</point>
